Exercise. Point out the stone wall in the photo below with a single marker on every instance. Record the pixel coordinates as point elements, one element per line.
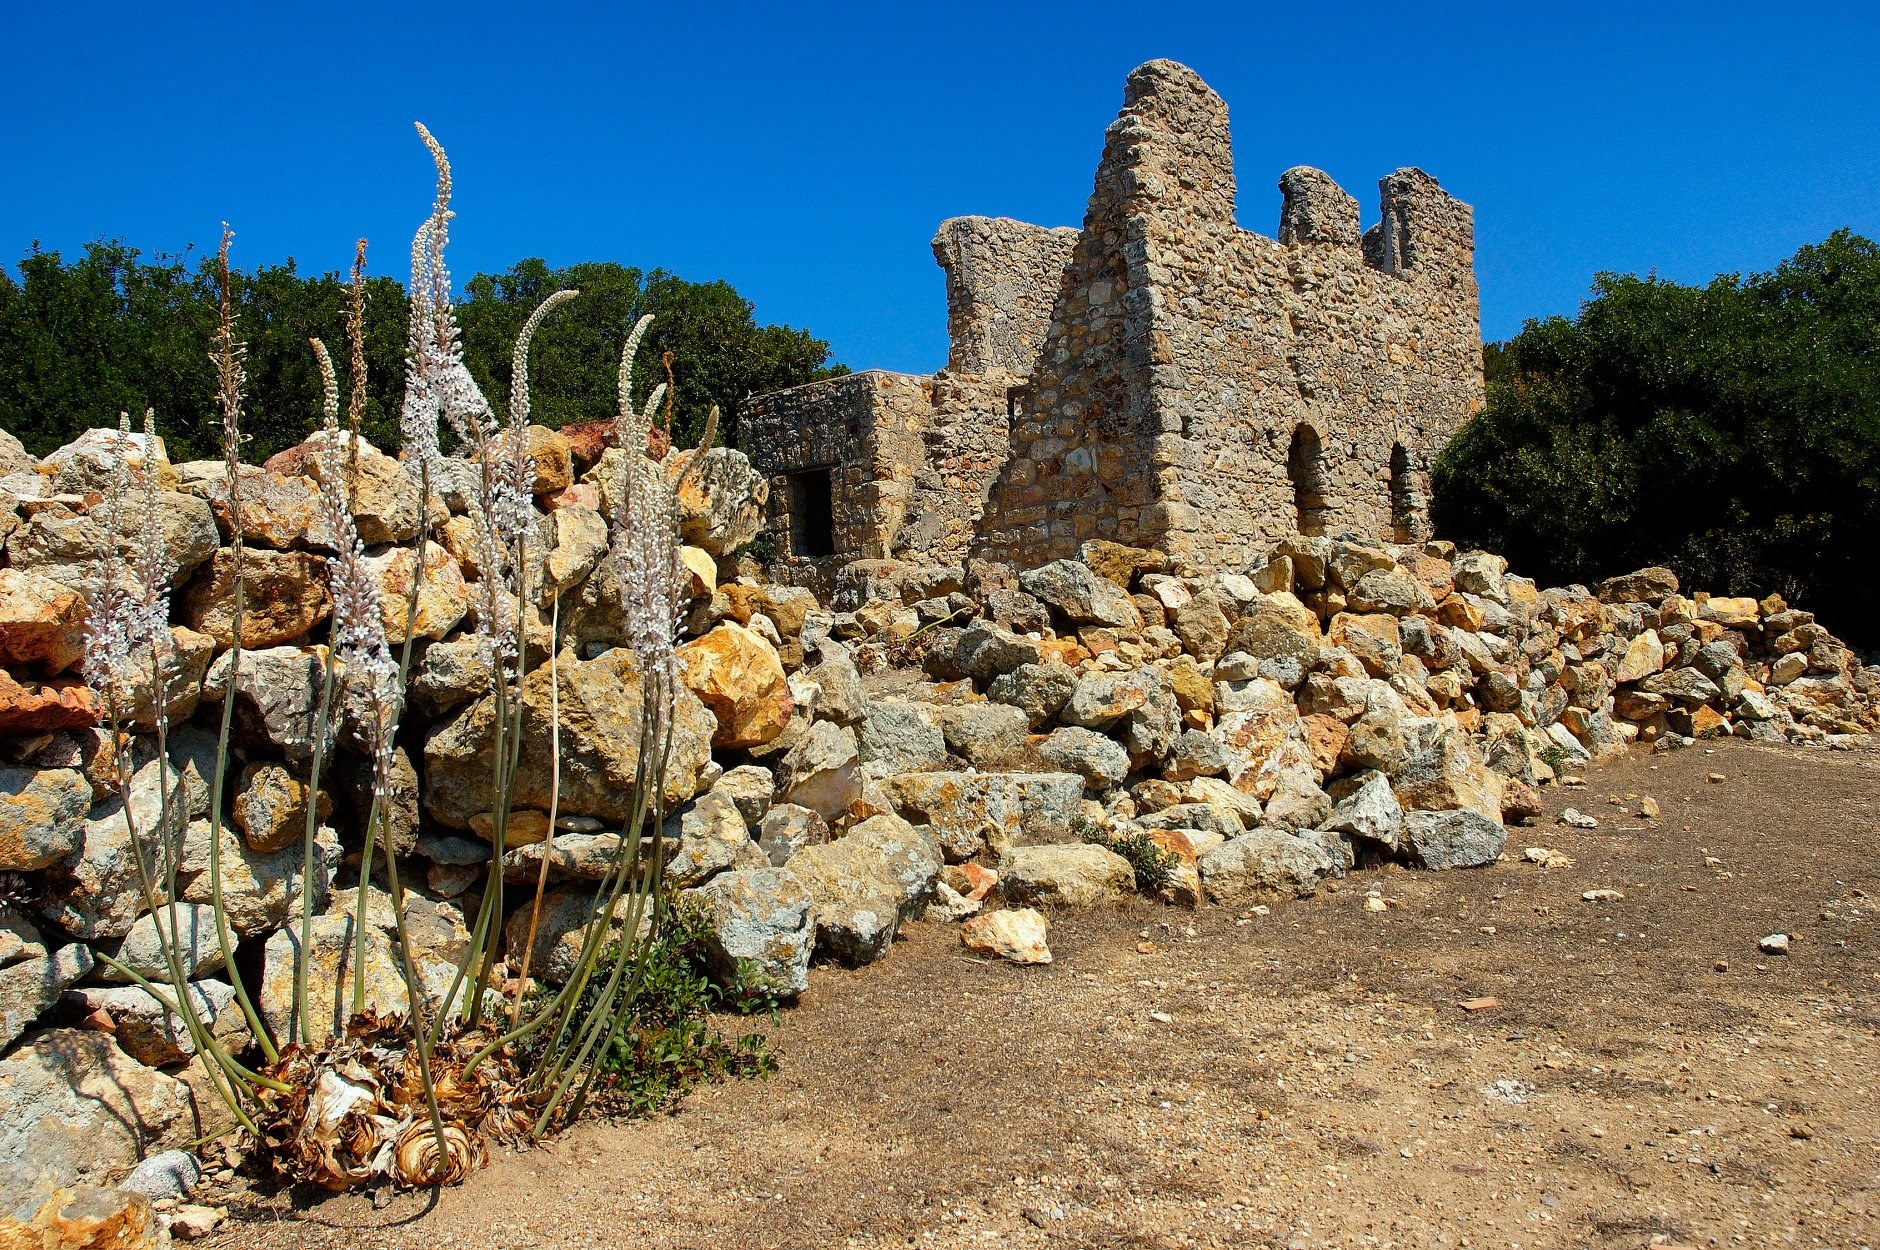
<point>1186,354</point>
<point>1162,377</point>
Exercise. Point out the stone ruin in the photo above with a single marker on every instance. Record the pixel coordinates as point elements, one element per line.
<point>1160,378</point>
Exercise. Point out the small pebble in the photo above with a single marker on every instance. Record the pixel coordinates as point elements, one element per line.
<point>1774,944</point>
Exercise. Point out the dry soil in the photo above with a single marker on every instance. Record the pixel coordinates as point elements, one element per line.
<point>1304,1077</point>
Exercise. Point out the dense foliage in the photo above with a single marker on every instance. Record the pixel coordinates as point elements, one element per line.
<point>1730,431</point>
<point>667,1042</point>
<point>112,330</point>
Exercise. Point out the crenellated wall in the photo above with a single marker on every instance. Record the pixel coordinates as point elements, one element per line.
<point>1163,378</point>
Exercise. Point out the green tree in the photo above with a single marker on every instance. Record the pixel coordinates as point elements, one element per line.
<point>720,355</point>
<point>1731,431</point>
<point>111,331</point>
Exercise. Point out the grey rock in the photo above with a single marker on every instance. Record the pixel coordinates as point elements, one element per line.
<point>1100,699</point>
<point>29,988</point>
<point>972,813</point>
<point>1216,818</point>
<point>1297,802</point>
<point>74,1108</point>
<point>166,1174</point>
<point>1366,807</point>
<point>763,932</point>
<point>901,737</point>
<point>985,651</point>
<point>1080,596</point>
<point>822,771</point>
<point>1264,866</point>
<point>752,788</point>
<point>787,829</point>
<point>196,944</point>
<point>1039,690</point>
<point>448,674</point>
<point>1480,573</point>
<point>1460,838</point>
<point>1195,754</point>
<point>105,893</point>
<point>260,891</point>
<point>866,884</point>
<point>985,735</point>
<point>1099,760</point>
<point>712,833</point>
<point>1389,591</point>
<point>1686,685</point>
<point>151,1033</point>
<point>842,699</point>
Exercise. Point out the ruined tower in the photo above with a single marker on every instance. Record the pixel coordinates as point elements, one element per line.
<point>1160,377</point>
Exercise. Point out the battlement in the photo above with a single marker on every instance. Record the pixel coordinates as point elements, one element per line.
<point>1161,376</point>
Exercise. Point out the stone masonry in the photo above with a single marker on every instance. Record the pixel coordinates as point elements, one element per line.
<point>1160,377</point>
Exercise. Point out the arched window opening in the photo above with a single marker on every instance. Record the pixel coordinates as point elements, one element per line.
<point>1305,465</point>
<point>1406,504</point>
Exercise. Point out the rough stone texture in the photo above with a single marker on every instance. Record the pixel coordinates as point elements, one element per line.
<point>865,884</point>
<point>762,931</point>
<point>1264,866</point>
<point>739,676</point>
<point>271,807</point>
<point>600,701</point>
<point>74,1107</point>
<point>1453,839</point>
<point>1072,874</point>
<point>42,816</point>
<point>1160,378</point>
<point>150,1033</point>
<point>899,737</point>
<point>822,771</point>
<point>142,953</point>
<point>31,986</point>
<point>284,594</point>
<point>42,622</point>
<point>973,813</point>
<point>1099,760</point>
<point>329,978</point>
<point>1017,934</point>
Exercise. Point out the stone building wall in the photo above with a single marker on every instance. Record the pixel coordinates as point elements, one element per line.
<point>1160,376</point>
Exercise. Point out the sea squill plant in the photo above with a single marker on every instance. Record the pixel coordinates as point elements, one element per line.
<point>129,662</point>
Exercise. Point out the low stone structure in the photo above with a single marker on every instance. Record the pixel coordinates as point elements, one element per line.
<point>1160,378</point>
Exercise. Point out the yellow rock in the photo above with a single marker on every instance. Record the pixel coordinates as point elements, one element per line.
<point>739,676</point>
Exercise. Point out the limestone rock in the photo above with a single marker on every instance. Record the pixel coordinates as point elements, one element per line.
<point>1080,596</point>
<point>277,693</point>
<point>329,978</point>
<point>443,597</point>
<point>103,893</point>
<point>985,735</point>
<point>29,706</point>
<point>1039,690</point>
<point>969,814</point>
<point>866,884</point>
<point>901,737</point>
<point>763,932</point>
<point>600,704</point>
<point>722,507</point>
<point>152,1034</point>
<point>1644,655</point>
<point>278,510</point>
<point>446,675</point>
<point>1460,838</point>
<point>1099,760</point>
<point>1444,770</point>
<point>842,699</point>
<point>384,496</point>
<point>787,829</point>
<point>42,622</point>
<point>1652,585</point>
<point>1015,934</point>
<point>740,678</point>
<point>1101,699</point>
<point>271,807</point>
<point>983,651</point>
<point>1071,874</point>
<point>193,937</point>
<point>260,890</point>
<point>822,771</point>
<point>1264,866</point>
<point>1367,808</point>
<point>561,929</point>
<point>42,816</point>
<point>712,834</point>
<point>75,1108</point>
<point>30,987</point>
<point>284,594</point>
<point>86,1217</point>
<point>63,544</point>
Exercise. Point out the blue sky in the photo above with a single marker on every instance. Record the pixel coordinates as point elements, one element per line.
<point>806,152</point>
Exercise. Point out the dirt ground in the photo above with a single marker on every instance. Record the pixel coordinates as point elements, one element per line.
<point>1306,1077</point>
